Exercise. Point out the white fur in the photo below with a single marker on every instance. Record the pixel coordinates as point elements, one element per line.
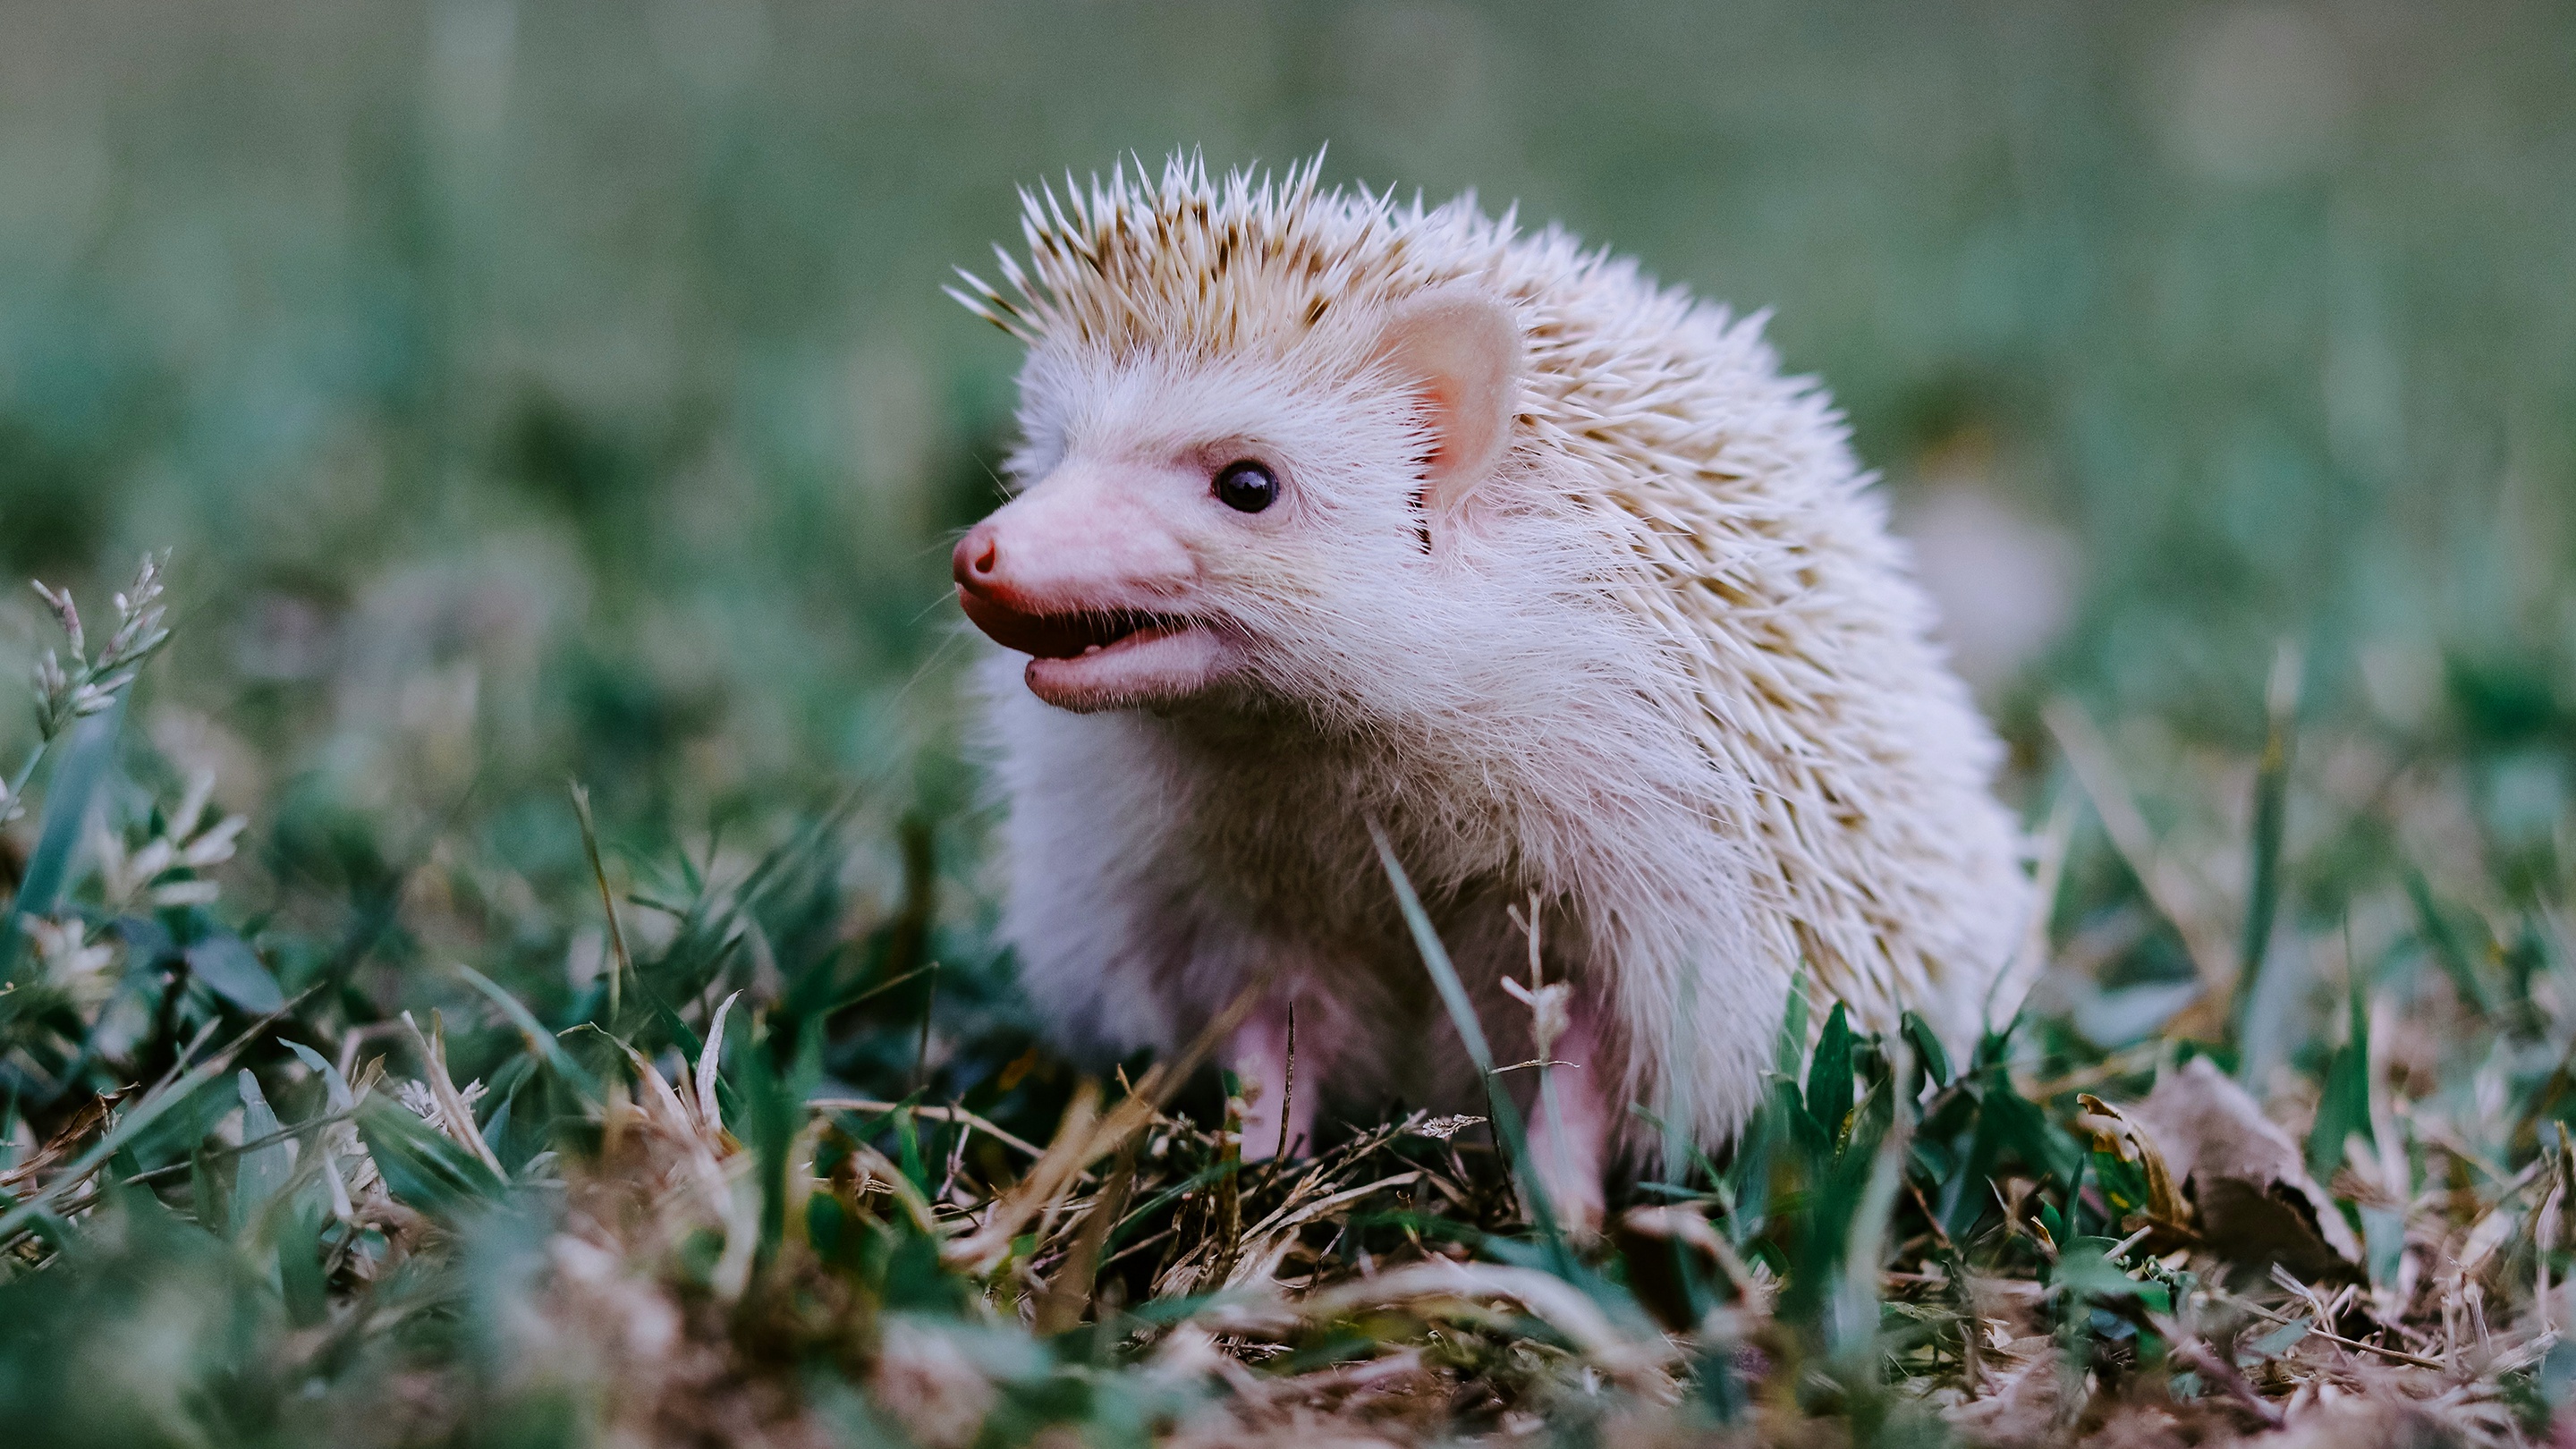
<point>1664,667</point>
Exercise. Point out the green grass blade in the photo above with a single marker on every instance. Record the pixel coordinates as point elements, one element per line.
<point>541,1042</point>
<point>2344,1108</point>
<point>2271,812</point>
<point>2446,945</point>
<point>1462,1014</point>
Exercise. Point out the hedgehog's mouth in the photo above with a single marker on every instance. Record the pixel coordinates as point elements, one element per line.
<point>1069,635</point>
<point>1096,659</point>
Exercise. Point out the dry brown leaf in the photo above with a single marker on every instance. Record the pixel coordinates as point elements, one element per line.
<point>2116,1134</point>
<point>2256,1203</point>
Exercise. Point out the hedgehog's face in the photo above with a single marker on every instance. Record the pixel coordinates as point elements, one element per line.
<point>1192,525</point>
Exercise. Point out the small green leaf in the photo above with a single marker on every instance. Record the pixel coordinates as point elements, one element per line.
<point>1792,1046</point>
<point>2026,1131</point>
<point>2279,1341</point>
<point>264,1170</point>
<point>1928,1050</point>
<point>179,1129</point>
<point>2383,1236</point>
<point>335,1084</point>
<point>1829,1076</point>
<point>232,971</point>
<point>300,1276</point>
<point>2085,1271</point>
<point>91,749</point>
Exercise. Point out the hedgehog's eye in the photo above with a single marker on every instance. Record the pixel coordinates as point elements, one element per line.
<point>1245,486</point>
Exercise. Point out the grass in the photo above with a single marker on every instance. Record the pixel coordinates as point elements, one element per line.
<point>537,394</point>
<point>746,1178</point>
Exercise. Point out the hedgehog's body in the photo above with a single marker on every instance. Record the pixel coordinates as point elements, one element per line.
<point>1566,587</point>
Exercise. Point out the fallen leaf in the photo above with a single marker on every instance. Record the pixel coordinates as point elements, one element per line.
<point>2255,1202</point>
<point>2116,1134</point>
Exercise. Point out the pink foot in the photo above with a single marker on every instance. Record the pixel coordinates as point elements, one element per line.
<point>1260,1057</point>
<point>1570,1130</point>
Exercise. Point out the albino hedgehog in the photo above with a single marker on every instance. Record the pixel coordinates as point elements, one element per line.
<point>1333,511</point>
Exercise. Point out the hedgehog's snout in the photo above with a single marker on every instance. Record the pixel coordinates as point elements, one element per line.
<point>1003,612</point>
<point>1080,575</point>
<point>977,555</point>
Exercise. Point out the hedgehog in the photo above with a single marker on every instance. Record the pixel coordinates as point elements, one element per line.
<point>1339,526</point>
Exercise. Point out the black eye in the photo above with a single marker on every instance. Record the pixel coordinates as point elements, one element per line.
<point>1246,487</point>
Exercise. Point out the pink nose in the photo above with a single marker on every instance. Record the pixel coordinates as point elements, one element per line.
<point>978,558</point>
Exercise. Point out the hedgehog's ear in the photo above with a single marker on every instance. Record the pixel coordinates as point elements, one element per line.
<point>1460,349</point>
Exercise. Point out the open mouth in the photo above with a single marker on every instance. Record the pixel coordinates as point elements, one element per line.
<point>1067,635</point>
<point>1087,660</point>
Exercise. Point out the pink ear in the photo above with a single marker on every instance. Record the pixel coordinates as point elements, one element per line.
<point>1458,347</point>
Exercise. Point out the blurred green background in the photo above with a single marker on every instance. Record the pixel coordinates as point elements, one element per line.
<point>547,389</point>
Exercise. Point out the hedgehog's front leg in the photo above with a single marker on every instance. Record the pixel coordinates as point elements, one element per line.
<point>1261,1056</point>
<point>1569,1138</point>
